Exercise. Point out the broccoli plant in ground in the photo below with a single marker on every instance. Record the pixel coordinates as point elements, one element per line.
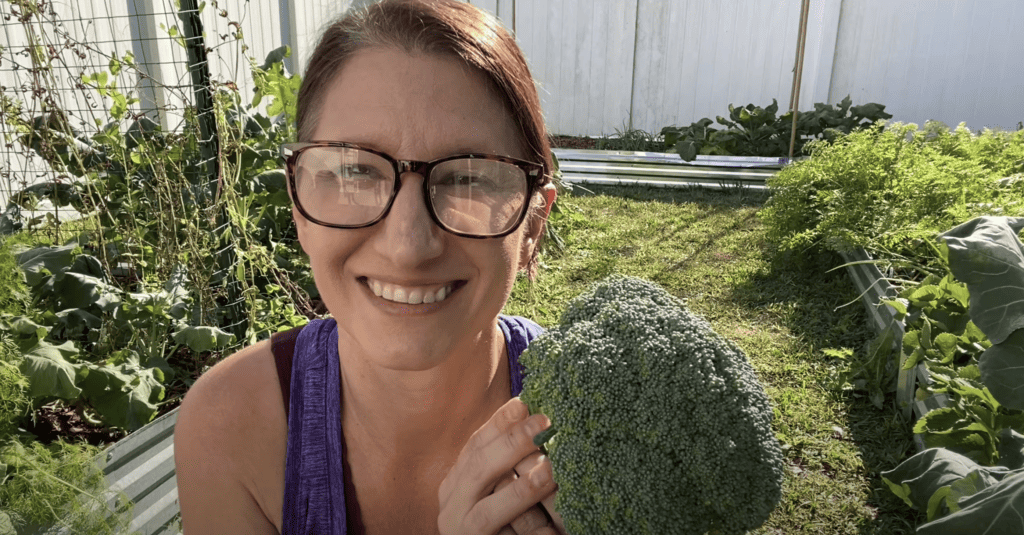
<point>660,426</point>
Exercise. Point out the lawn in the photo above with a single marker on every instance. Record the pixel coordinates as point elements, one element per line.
<point>710,248</point>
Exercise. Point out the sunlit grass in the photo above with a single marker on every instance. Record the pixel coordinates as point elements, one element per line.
<point>710,248</point>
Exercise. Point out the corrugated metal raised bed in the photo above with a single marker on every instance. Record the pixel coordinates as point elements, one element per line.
<point>142,466</point>
<point>873,287</point>
<point>622,168</point>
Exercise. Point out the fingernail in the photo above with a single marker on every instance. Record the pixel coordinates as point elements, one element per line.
<point>538,424</point>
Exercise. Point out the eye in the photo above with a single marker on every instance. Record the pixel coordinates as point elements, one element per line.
<point>360,172</point>
<point>464,178</point>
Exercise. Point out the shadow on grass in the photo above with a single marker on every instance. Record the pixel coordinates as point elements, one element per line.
<point>813,299</point>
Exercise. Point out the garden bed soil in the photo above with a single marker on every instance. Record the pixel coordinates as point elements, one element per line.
<point>573,142</point>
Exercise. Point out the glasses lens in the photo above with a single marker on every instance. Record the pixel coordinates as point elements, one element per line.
<point>478,196</point>
<point>343,186</point>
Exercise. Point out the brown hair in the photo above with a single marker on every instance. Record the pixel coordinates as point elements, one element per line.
<point>449,27</point>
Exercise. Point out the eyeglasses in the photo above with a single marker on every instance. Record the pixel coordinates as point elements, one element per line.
<point>342,185</point>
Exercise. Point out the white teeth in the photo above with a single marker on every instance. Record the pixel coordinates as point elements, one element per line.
<point>411,296</point>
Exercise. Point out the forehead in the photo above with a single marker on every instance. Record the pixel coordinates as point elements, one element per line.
<point>415,106</point>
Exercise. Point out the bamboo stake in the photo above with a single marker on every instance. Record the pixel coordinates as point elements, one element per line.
<point>794,100</point>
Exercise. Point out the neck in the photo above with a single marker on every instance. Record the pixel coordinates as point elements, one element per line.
<point>420,416</point>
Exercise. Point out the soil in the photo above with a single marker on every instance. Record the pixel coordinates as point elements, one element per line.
<point>56,420</point>
<point>573,142</point>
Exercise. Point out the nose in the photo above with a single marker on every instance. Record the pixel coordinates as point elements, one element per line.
<point>408,236</point>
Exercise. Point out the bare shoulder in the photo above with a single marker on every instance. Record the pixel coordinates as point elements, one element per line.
<point>229,447</point>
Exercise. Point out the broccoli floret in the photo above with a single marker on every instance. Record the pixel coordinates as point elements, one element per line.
<point>661,426</point>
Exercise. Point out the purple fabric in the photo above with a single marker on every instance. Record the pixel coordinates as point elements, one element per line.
<point>314,492</point>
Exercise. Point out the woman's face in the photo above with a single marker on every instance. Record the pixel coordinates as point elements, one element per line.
<point>413,107</point>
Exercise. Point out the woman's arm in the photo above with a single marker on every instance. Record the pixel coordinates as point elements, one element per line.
<point>210,456</point>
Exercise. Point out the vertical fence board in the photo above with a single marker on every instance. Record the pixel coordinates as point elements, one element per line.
<point>582,59</point>
<point>962,62</point>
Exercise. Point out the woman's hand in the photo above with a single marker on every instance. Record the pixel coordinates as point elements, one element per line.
<point>541,519</point>
<point>472,501</point>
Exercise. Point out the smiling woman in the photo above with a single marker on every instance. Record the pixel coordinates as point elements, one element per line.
<point>420,188</point>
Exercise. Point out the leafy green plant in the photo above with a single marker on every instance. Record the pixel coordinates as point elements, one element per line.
<point>167,260</point>
<point>755,131</point>
<point>885,189</point>
<point>57,485</point>
<point>631,139</point>
<point>982,424</point>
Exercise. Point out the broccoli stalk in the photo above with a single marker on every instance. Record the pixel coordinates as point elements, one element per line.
<point>659,425</point>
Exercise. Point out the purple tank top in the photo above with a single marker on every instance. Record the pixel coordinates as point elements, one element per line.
<point>314,489</point>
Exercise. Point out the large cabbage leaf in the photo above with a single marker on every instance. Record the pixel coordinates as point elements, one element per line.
<point>986,254</point>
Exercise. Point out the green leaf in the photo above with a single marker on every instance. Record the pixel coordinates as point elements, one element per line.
<point>939,420</point>
<point>49,373</point>
<point>898,305</point>
<point>945,343</point>
<point>998,509</point>
<point>936,502</point>
<point>83,291</point>
<point>986,254</point>
<point>901,490</point>
<point>928,471</point>
<point>125,395</point>
<point>687,150</point>
<point>1002,370</point>
<point>6,525</point>
<point>43,261</point>
<point>276,55</point>
<point>973,334</point>
<point>1011,449</point>
<point>924,296</point>
<point>201,339</point>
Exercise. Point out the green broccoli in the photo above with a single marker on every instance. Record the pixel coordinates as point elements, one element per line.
<point>660,426</point>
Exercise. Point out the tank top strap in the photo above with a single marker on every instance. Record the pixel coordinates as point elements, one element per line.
<point>519,332</point>
<point>314,485</point>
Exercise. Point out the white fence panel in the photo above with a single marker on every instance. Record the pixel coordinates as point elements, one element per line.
<point>308,19</point>
<point>954,61</point>
<point>582,59</point>
<point>261,27</point>
<point>103,28</point>
<point>503,9</point>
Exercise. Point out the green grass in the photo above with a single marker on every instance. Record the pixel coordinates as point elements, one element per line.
<point>710,248</point>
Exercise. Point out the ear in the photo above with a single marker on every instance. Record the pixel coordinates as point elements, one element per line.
<point>301,224</point>
<point>536,230</point>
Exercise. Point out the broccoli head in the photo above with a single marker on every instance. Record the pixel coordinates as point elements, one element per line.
<point>660,426</point>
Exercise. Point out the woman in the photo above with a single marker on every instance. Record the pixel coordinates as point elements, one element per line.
<point>419,192</point>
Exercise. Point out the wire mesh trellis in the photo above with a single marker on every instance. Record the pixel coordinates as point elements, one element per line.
<point>85,87</point>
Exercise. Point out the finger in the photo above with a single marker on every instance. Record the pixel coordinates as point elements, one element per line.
<point>548,503</point>
<point>531,461</point>
<point>513,411</point>
<point>505,417</point>
<point>532,519</point>
<point>512,500</point>
<point>507,530</point>
<point>480,465</point>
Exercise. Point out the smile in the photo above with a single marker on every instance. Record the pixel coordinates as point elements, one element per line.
<point>412,295</point>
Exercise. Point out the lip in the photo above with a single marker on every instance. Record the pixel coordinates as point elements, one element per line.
<point>393,307</point>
